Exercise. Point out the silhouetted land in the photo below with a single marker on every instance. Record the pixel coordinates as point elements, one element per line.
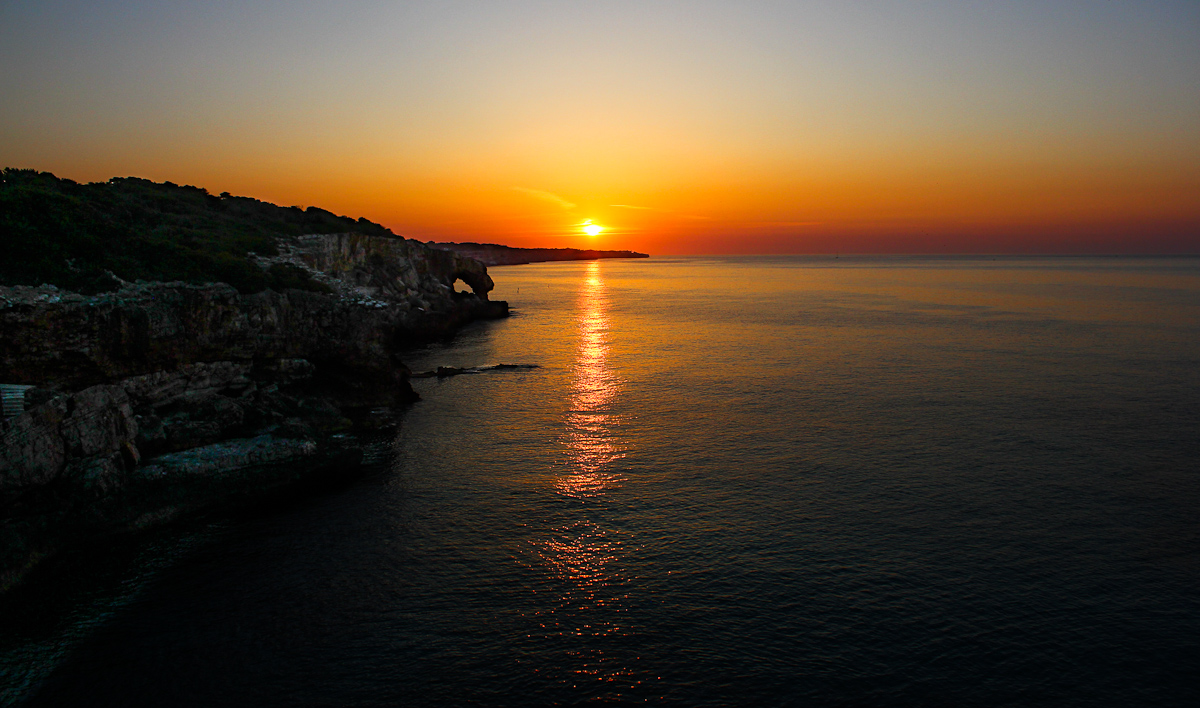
<point>494,254</point>
<point>73,235</point>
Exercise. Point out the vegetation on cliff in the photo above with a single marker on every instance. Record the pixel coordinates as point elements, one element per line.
<point>73,235</point>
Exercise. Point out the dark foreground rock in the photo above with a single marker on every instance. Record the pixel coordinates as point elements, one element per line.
<point>165,399</point>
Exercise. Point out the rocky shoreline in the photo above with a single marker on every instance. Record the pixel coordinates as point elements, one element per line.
<point>161,400</point>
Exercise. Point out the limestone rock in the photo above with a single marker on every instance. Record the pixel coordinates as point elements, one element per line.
<point>78,430</point>
<point>389,293</point>
<point>228,456</point>
<point>100,420</point>
<point>32,451</point>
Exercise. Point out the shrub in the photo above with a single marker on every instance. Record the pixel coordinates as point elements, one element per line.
<point>72,235</point>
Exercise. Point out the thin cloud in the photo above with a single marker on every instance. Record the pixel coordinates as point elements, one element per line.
<point>770,224</point>
<point>546,196</point>
<point>661,211</point>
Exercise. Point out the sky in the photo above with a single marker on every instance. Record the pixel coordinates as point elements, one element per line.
<point>679,127</point>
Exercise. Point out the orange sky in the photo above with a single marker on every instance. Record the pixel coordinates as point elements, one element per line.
<point>698,127</point>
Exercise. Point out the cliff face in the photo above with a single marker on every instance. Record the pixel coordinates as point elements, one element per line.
<point>396,269</point>
<point>162,398</point>
<point>387,294</point>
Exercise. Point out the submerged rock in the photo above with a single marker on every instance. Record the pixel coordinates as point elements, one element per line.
<point>228,457</point>
<point>444,371</point>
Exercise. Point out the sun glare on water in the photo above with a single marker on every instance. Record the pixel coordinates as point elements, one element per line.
<point>591,229</point>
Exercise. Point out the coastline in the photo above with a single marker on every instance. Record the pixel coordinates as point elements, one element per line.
<point>491,254</point>
<point>160,401</point>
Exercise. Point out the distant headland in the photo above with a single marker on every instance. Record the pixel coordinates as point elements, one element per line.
<point>491,254</point>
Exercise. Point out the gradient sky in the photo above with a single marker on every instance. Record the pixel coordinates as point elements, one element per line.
<point>682,127</point>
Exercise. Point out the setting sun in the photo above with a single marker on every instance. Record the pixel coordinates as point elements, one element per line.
<point>591,229</point>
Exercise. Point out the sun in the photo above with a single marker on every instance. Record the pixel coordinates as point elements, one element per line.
<point>592,229</point>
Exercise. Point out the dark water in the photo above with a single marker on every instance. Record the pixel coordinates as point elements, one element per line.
<point>818,482</point>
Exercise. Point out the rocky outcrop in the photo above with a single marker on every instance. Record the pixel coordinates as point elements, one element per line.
<point>390,269</point>
<point>87,437</point>
<point>164,398</point>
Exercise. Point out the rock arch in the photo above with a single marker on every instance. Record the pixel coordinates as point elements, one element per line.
<point>478,281</point>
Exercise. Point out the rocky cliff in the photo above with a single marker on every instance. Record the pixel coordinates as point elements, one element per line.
<point>386,293</point>
<point>163,398</point>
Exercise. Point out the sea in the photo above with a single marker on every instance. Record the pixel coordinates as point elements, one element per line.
<point>734,481</point>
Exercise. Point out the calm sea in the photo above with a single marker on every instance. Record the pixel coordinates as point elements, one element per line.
<point>735,481</point>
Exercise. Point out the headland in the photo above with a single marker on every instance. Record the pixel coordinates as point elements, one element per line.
<point>492,254</point>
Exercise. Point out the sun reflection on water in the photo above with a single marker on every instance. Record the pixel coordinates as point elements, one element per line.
<point>580,553</point>
<point>584,554</point>
<point>589,436</point>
